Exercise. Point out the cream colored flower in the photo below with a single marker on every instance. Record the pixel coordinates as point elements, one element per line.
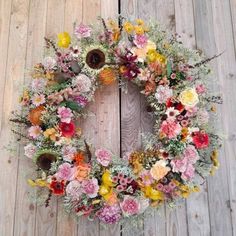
<point>159,170</point>
<point>189,97</point>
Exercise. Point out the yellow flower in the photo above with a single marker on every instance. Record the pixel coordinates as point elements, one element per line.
<point>37,182</point>
<point>153,193</point>
<point>106,179</point>
<point>162,59</point>
<point>151,55</point>
<point>50,133</point>
<point>159,170</point>
<point>189,97</point>
<point>63,40</point>
<point>128,27</point>
<point>139,21</point>
<point>138,29</point>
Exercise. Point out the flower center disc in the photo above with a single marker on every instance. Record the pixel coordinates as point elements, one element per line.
<point>95,59</point>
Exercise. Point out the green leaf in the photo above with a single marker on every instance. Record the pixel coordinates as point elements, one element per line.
<point>169,69</point>
<point>74,106</point>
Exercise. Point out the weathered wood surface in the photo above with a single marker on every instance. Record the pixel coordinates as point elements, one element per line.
<point>209,25</point>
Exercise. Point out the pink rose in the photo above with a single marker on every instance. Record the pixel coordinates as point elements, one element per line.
<point>90,187</point>
<point>74,189</point>
<point>65,172</point>
<point>82,31</point>
<point>179,165</point>
<point>65,114</point>
<point>170,128</point>
<point>188,173</point>
<point>103,156</point>
<point>130,206</point>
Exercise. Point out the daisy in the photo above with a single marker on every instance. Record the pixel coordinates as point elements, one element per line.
<point>171,112</point>
<point>34,131</point>
<point>38,99</point>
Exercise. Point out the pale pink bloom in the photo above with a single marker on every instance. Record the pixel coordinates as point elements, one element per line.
<point>90,187</point>
<point>179,165</point>
<point>74,189</point>
<point>65,114</point>
<point>191,111</point>
<point>203,116</point>
<point>140,40</point>
<point>191,154</point>
<point>34,131</point>
<point>103,156</point>
<point>188,174</point>
<point>38,84</point>
<point>170,128</point>
<point>189,78</point>
<point>65,172</point>
<point>144,74</point>
<point>30,150</point>
<point>38,99</point>
<point>146,177</point>
<point>82,31</point>
<point>200,89</point>
<point>82,83</point>
<point>130,206</point>
<point>68,152</point>
<point>49,63</point>
<point>163,93</point>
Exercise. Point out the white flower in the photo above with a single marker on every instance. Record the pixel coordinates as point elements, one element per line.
<point>82,83</point>
<point>38,85</point>
<point>30,150</point>
<point>49,63</point>
<point>171,112</point>
<point>163,93</point>
<point>68,152</point>
<point>38,99</point>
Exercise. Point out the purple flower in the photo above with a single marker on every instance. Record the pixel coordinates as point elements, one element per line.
<point>109,214</point>
<point>81,100</point>
<point>65,114</point>
<point>82,31</point>
<point>103,156</point>
<point>90,187</point>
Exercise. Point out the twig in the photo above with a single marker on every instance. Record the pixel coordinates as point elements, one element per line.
<point>20,121</point>
<point>88,151</point>
<point>50,43</point>
<point>48,198</point>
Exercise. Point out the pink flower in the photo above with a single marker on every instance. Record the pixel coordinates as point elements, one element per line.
<point>68,152</point>
<point>130,206</point>
<point>200,89</point>
<point>191,154</point>
<point>179,165</point>
<point>49,63</point>
<point>170,128</point>
<point>109,214</point>
<point>163,93</point>
<point>90,187</point>
<point>202,116</point>
<point>65,114</point>
<point>65,172</point>
<point>74,189</point>
<point>82,101</point>
<point>38,85</point>
<point>38,99</point>
<point>103,156</point>
<point>191,111</point>
<point>146,177</point>
<point>140,40</point>
<point>82,83</point>
<point>82,31</point>
<point>34,131</point>
<point>30,150</point>
<point>188,173</point>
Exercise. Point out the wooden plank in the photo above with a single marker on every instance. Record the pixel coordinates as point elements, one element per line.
<point>233,19</point>
<point>47,217</point>
<point>25,210</point>
<point>67,225</point>
<point>197,204</point>
<point>14,38</point>
<point>213,35</point>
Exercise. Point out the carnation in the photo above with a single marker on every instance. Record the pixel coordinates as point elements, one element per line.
<point>103,156</point>
<point>30,150</point>
<point>191,154</point>
<point>65,114</point>
<point>65,172</point>
<point>74,189</point>
<point>82,83</point>
<point>170,128</point>
<point>163,93</point>
<point>201,140</point>
<point>179,165</point>
<point>90,187</point>
<point>130,206</point>
<point>188,174</point>
<point>109,214</point>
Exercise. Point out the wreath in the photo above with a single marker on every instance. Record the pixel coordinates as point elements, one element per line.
<point>175,158</point>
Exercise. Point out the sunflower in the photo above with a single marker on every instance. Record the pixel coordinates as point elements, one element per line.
<point>44,159</point>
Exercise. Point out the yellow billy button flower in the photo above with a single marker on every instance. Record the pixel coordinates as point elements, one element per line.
<point>63,40</point>
<point>189,97</point>
<point>128,27</point>
<point>153,194</point>
<point>138,29</point>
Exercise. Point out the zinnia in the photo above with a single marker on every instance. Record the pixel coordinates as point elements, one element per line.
<point>201,140</point>
<point>67,129</point>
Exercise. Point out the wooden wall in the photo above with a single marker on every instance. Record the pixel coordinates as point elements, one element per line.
<point>206,24</point>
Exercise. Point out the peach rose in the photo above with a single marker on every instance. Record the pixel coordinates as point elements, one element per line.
<point>82,171</point>
<point>159,170</point>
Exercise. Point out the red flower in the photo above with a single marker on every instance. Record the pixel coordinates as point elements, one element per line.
<point>57,187</point>
<point>201,140</point>
<point>67,129</point>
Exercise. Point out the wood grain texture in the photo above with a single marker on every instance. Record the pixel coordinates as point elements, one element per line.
<point>14,40</point>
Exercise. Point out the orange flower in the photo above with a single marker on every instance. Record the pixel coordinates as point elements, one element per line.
<point>79,158</point>
<point>150,86</point>
<point>159,170</point>
<point>35,115</point>
<point>107,76</point>
<point>112,198</point>
<point>82,171</point>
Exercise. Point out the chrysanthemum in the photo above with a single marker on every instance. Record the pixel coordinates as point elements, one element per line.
<point>38,99</point>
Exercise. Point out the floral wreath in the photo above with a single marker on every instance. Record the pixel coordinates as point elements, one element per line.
<point>96,183</point>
